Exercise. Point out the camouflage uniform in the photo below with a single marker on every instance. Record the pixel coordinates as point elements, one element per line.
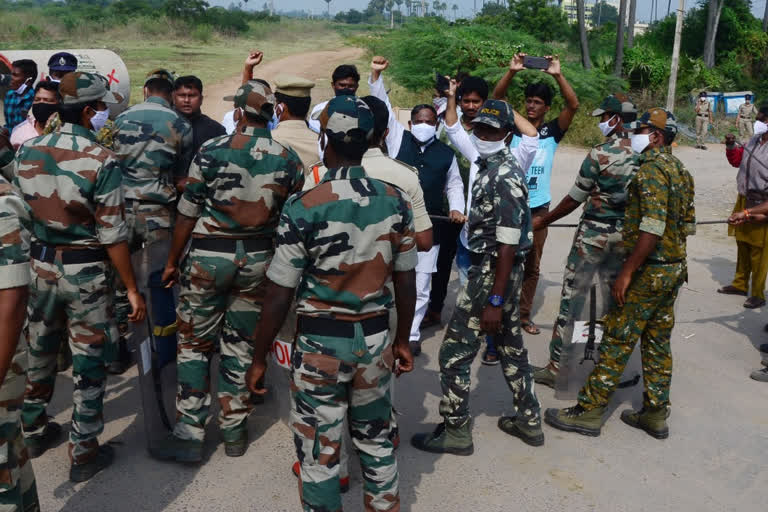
<point>339,244</point>
<point>499,215</point>
<point>660,202</point>
<point>18,491</point>
<point>237,186</point>
<point>73,188</point>
<point>597,247</point>
<point>154,146</point>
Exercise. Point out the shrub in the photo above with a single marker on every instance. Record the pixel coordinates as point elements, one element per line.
<point>202,33</point>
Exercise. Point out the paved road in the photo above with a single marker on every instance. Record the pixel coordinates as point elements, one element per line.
<point>714,459</point>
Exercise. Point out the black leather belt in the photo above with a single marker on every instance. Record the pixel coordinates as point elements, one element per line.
<point>612,222</point>
<point>341,328</point>
<point>47,254</point>
<point>230,244</point>
<point>653,261</point>
<point>703,115</point>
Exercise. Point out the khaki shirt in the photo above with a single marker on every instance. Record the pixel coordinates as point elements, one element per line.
<point>703,107</point>
<point>746,111</point>
<point>381,167</point>
<point>295,134</point>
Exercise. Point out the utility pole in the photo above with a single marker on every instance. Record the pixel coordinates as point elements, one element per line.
<point>765,18</point>
<point>675,58</point>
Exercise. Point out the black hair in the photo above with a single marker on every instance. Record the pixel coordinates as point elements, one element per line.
<point>190,81</point>
<point>669,137</point>
<point>345,71</point>
<point>348,150</point>
<point>48,86</point>
<point>28,67</point>
<point>159,86</point>
<point>540,90</point>
<point>72,113</point>
<point>265,117</point>
<point>764,109</point>
<point>298,107</point>
<point>380,117</point>
<point>628,117</point>
<point>418,108</point>
<point>473,84</point>
<point>461,75</point>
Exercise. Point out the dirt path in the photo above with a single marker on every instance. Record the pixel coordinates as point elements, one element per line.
<point>316,66</point>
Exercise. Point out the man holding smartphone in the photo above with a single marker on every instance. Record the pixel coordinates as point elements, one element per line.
<point>538,102</point>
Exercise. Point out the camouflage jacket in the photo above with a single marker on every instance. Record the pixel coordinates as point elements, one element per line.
<point>660,202</point>
<point>154,145</point>
<point>14,238</point>
<point>238,184</point>
<point>73,188</point>
<point>500,212</point>
<point>603,179</point>
<point>340,242</point>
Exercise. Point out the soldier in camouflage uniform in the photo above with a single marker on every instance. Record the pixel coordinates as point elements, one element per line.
<point>345,244</point>
<point>73,188</point>
<point>659,217</point>
<point>154,145</point>
<point>597,249</point>
<point>18,491</point>
<point>499,238</point>
<point>230,208</point>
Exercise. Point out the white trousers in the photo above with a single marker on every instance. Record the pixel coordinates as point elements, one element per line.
<point>424,268</point>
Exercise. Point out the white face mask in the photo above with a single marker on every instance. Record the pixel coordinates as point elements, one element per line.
<point>640,142</point>
<point>606,127</point>
<point>54,80</point>
<point>22,88</point>
<point>760,128</point>
<point>99,119</point>
<point>423,132</point>
<point>487,148</point>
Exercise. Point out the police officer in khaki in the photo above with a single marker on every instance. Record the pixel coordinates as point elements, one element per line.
<point>703,119</point>
<point>293,101</point>
<point>746,120</point>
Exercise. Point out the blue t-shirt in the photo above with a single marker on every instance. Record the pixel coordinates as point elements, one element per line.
<point>539,173</point>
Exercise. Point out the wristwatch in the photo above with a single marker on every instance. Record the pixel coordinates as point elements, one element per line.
<point>495,300</point>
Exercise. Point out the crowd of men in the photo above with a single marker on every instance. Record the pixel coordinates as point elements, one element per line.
<point>347,219</point>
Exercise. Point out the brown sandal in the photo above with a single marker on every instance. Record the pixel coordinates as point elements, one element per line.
<point>731,290</point>
<point>530,327</point>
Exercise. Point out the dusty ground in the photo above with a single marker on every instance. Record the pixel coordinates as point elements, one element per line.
<point>714,459</point>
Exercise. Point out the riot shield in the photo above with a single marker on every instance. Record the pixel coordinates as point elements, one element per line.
<point>580,353</point>
<point>155,343</point>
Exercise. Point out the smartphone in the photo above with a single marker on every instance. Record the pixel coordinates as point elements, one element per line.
<point>441,83</point>
<point>531,62</point>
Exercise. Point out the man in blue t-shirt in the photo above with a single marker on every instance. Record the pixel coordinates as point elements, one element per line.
<point>538,101</point>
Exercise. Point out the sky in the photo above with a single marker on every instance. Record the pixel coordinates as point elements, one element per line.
<point>465,6</point>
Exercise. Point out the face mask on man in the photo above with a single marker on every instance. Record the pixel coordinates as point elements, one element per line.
<point>423,132</point>
<point>43,111</point>
<point>22,88</point>
<point>487,148</point>
<point>760,128</point>
<point>99,119</point>
<point>606,127</point>
<point>347,91</point>
<point>640,141</point>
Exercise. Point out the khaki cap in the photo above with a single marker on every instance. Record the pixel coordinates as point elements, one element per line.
<point>295,86</point>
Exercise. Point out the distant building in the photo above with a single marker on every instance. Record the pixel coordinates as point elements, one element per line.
<point>571,12</point>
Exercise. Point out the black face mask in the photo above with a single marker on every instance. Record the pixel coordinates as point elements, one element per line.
<point>345,92</point>
<point>42,111</point>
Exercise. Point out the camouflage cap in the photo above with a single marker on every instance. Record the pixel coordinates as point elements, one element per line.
<point>62,61</point>
<point>162,74</point>
<point>617,103</point>
<point>496,113</point>
<point>346,119</point>
<point>654,118</point>
<point>255,98</point>
<point>294,86</point>
<point>81,87</point>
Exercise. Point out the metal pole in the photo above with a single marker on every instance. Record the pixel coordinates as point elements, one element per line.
<point>675,58</point>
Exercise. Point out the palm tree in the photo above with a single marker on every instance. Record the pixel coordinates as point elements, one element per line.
<point>329,7</point>
<point>454,8</point>
<point>619,60</point>
<point>585,60</point>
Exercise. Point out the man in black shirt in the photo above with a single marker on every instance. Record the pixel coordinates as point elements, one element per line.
<point>187,100</point>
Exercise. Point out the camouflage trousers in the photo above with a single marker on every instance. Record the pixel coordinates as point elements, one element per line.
<point>462,341</point>
<point>69,302</point>
<point>148,223</point>
<point>219,307</point>
<point>18,491</point>
<point>597,250</point>
<point>648,316</point>
<point>333,377</point>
